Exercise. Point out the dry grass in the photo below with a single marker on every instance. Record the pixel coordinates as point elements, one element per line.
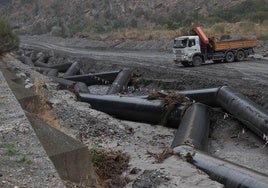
<point>240,28</point>
<point>160,157</point>
<point>44,111</point>
<point>109,166</point>
<point>6,57</point>
<point>142,34</point>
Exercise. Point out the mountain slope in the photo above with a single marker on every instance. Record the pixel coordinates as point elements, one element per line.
<point>71,16</point>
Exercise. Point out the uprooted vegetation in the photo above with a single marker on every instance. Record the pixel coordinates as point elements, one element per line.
<point>109,166</point>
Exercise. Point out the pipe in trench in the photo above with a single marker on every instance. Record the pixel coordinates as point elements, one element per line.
<point>73,70</point>
<point>133,109</point>
<point>120,83</point>
<point>252,115</point>
<point>95,79</point>
<point>225,172</point>
<point>194,128</point>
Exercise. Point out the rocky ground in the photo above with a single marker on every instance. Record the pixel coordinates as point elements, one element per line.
<point>152,62</point>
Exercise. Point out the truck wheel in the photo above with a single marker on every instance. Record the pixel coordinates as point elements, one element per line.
<point>240,56</point>
<point>229,57</point>
<point>197,61</point>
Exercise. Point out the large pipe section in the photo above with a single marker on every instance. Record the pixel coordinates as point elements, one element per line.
<point>95,79</point>
<point>121,82</point>
<point>73,70</point>
<point>80,87</point>
<point>52,73</point>
<point>60,67</point>
<point>194,128</point>
<point>252,115</point>
<point>225,172</point>
<point>133,109</point>
<point>63,82</point>
<point>205,96</point>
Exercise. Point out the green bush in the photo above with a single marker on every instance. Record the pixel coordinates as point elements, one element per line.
<point>8,40</point>
<point>253,10</point>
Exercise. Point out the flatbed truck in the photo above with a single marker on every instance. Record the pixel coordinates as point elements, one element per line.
<point>196,49</point>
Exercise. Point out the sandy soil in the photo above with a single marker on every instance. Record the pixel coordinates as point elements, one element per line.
<point>229,139</point>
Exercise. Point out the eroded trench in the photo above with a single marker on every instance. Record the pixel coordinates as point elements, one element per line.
<point>70,156</point>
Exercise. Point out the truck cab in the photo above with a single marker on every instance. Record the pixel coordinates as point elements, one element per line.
<point>185,48</point>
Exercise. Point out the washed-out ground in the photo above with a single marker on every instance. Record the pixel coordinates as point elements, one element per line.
<point>152,63</point>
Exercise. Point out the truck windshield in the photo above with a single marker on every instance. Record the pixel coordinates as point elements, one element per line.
<point>182,43</point>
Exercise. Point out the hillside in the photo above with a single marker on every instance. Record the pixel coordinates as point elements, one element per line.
<point>71,16</point>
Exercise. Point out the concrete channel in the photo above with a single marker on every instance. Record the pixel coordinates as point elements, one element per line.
<point>69,156</point>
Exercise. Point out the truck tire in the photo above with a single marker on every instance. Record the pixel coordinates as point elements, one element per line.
<point>240,56</point>
<point>229,57</point>
<point>197,61</point>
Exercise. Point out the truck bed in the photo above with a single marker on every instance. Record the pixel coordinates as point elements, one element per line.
<point>229,45</point>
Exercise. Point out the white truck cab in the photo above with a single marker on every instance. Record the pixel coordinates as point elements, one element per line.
<point>185,48</point>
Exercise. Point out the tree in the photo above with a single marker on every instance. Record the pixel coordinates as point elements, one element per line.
<point>8,40</point>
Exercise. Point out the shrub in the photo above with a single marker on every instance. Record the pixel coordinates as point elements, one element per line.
<point>8,40</point>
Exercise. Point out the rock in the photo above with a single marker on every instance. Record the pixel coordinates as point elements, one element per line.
<point>150,178</point>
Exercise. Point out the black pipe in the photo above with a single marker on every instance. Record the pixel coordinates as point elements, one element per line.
<point>205,96</point>
<point>95,79</point>
<point>225,172</point>
<point>43,70</point>
<point>60,67</point>
<point>40,63</point>
<point>63,82</point>
<point>120,83</point>
<point>194,128</point>
<point>26,60</point>
<point>81,87</point>
<point>133,109</point>
<point>73,70</point>
<point>252,115</point>
<point>52,73</point>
